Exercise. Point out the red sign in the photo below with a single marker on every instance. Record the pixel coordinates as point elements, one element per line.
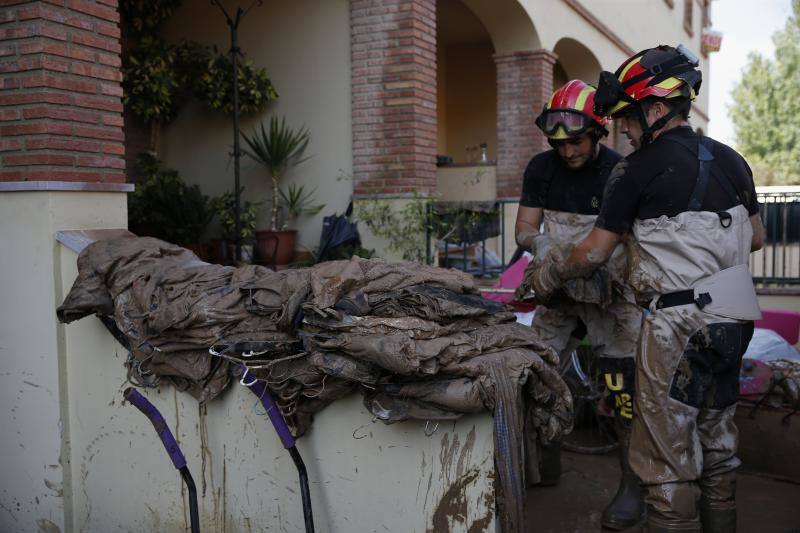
<point>711,40</point>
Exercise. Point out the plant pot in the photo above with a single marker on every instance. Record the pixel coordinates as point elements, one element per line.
<point>275,247</point>
<point>247,253</point>
<point>202,251</point>
<point>219,251</point>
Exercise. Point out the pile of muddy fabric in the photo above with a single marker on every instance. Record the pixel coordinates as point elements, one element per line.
<point>417,341</point>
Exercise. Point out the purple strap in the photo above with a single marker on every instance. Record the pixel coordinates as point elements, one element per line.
<point>149,410</point>
<point>259,388</point>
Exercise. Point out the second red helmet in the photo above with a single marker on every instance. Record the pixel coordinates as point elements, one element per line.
<point>570,112</point>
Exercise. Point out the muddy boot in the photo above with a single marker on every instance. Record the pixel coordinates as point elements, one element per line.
<point>550,464</point>
<point>716,519</point>
<point>627,508</point>
<point>659,527</point>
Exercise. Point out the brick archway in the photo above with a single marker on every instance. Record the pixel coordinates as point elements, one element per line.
<point>394,97</point>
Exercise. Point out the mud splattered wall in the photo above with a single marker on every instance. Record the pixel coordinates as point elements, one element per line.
<point>364,476</point>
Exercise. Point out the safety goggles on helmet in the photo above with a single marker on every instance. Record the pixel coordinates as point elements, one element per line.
<point>659,64</point>
<point>572,122</point>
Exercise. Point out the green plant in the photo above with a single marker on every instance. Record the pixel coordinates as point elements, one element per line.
<point>145,16</point>
<point>215,86</point>
<point>164,206</point>
<point>298,202</point>
<point>150,84</point>
<point>225,208</point>
<point>404,228</point>
<point>277,149</point>
<point>765,106</point>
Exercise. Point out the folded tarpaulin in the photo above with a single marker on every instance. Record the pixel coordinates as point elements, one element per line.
<point>172,307</point>
<point>335,279</point>
<point>417,340</point>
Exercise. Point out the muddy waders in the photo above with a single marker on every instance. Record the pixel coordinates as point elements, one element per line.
<point>613,332</point>
<point>693,269</point>
<point>627,507</point>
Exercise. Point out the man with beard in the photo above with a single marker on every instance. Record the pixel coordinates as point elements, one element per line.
<point>562,191</point>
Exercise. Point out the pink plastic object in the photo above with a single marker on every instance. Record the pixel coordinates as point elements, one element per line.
<point>784,323</point>
<point>511,279</point>
<point>754,379</point>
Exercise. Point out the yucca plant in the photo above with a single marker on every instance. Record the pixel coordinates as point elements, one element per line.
<point>278,149</point>
<point>297,202</point>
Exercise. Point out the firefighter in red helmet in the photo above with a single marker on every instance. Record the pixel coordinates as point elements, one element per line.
<point>688,207</point>
<point>562,192</point>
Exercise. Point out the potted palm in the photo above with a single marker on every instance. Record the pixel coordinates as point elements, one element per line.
<point>278,148</point>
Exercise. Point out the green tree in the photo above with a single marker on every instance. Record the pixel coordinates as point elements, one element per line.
<point>766,108</point>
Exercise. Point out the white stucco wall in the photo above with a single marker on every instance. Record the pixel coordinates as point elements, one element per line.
<point>75,457</point>
<point>363,476</point>
<point>640,24</point>
<point>305,47</point>
<point>33,471</point>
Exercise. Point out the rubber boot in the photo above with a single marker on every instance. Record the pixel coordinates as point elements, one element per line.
<point>658,527</point>
<point>550,465</point>
<point>627,508</point>
<point>717,519</point>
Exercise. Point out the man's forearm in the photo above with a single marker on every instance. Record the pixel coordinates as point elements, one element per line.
<point>525,239</point>
<point>579,264</point>
<point>589,255</point>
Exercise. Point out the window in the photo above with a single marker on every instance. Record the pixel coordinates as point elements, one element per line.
<point>688,7</point>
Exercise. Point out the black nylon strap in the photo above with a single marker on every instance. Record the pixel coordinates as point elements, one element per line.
<point>683,298</point>
<point>704,153</point>
<point>705,157</point>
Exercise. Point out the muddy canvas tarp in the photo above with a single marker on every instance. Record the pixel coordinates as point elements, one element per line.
<point>172,307</point>
<point>417,341</point>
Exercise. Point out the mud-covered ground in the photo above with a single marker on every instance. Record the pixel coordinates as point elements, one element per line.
<point>588,482</point>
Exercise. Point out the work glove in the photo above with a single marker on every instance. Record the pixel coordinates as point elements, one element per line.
<point>546,279</point>
<point>536,243</point>
<point>595,288</point>
<point>542,244</point>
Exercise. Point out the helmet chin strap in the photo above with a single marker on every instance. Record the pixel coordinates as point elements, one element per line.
<point>648,131</point>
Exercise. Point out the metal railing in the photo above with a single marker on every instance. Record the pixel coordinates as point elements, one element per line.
<point>777,264</point>
<point>470,236</point>
<point>483,244</point>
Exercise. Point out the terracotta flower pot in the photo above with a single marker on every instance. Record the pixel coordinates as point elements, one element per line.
<point>275,247</point>
<point>201,250</point>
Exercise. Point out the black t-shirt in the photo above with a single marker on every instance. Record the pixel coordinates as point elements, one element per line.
<point>659,180</point>
<point>548,183</point>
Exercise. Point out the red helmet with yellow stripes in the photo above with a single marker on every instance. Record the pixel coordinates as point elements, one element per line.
<point>570,112</point>
<point>660,72</point>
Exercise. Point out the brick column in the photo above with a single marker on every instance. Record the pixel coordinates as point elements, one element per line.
<point>60,93</point>
<point>393,77</point>
<point>524,83</point>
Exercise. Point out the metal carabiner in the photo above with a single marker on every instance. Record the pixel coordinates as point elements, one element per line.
<point>241,381</point>
<point>427,422</point>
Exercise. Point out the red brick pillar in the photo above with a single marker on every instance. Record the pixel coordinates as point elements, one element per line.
<point>393,77</point>
<point>524,83</point>
<point>60,93</point>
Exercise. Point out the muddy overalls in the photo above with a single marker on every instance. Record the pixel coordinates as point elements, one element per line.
<point>613,331</point>
<point>692,268</point>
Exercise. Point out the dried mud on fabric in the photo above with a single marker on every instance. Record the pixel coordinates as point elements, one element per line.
<point>417,341</point>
